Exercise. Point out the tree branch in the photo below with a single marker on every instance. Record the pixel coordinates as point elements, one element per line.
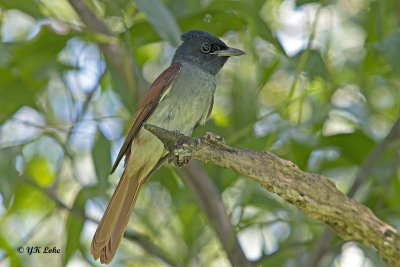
<point>211,203</point>
<point>314,194</point>
<point>115,54</point>
<point>323,244</point>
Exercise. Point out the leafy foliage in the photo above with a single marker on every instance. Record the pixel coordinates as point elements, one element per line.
<point>319,86</point>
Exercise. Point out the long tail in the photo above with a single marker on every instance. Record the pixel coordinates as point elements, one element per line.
<point>112,226</point>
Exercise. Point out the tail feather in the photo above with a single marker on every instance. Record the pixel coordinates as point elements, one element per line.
<point>112,226</point>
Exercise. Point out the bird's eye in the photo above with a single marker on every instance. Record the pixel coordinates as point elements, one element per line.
<point>205,48</point>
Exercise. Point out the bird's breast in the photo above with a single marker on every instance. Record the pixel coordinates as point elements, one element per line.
<point>187,102</point>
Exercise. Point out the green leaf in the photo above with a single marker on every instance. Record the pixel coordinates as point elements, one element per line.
<point>116,8</point>
<point>75,221</point>
<point>38,57</point>
<point>242,98</point>
<point>183,8</point>
<point>142,33</point>
<point>303,2</point>
<point>23,195</point>
<point>189,215</point>
<point>259,197</point>
<point>298,151</point>
<point>389,47</point>
<point>119,86</point>
<point>102,160</point>
<point>8,174</point>
<point>11,252</point>
<point>27,73</point>
<point>250,12</point>
<point>220,22</point>
<point>38,168</point>
<point>214,21</point>
<point>268,71</point>
<point>29,7</point>
<point>161,19</point>
<point>6,54</point>
<point>353,146</point>
<point>16,92</point>
<point>314,65</point>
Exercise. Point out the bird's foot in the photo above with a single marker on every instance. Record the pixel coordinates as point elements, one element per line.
<point>180,156</point>
<point>177,133</point>
<point>213,138</point>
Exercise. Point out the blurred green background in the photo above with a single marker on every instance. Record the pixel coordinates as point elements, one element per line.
<point>319,85</point>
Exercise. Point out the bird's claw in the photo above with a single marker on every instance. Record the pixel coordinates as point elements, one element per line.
<point>180,157</point>
<point>177,133</point>
<point>213,138</point>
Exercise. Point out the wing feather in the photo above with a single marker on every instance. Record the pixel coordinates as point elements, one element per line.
<point>153,97</point>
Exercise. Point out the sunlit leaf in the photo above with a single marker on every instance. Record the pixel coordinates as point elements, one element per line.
<point>24,195</point>
<point>102,159</point>
<point>161,19</point>
<point>11,252</point>
<point>352,66</point>
<point>40,170</point>
<point>219,117</point>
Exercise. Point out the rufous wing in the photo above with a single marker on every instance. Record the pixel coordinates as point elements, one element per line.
<point>146,108</point>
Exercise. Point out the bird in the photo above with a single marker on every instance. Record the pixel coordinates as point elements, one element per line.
<point>180,99</point>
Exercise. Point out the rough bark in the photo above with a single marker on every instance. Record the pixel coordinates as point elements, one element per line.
<point>314,194</point>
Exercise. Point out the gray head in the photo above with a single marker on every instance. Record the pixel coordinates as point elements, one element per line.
<point>204,50</point>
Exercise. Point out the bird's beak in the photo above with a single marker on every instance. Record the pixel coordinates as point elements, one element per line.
<point>229,52</point>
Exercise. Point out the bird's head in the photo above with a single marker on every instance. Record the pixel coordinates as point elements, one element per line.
<point>204,50</point>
